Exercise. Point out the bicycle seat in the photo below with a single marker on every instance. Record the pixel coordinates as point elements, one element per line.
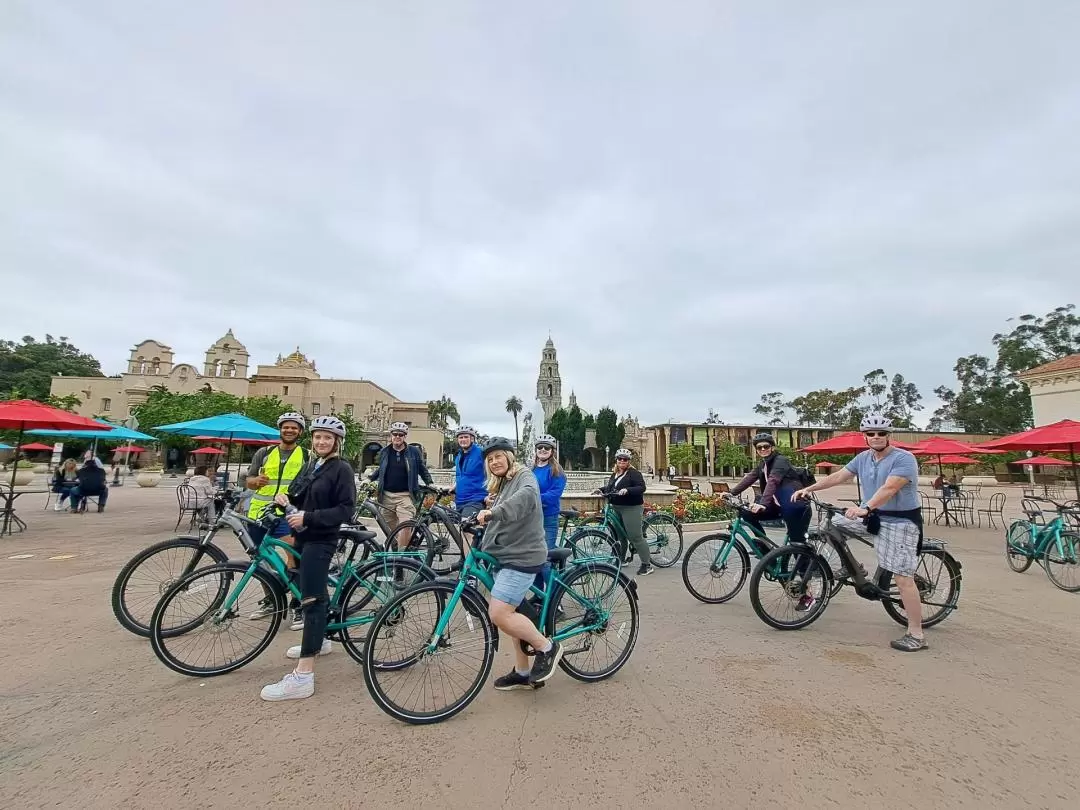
<point>569,513</point>
<point>559,555</point>
<point>357,534</point>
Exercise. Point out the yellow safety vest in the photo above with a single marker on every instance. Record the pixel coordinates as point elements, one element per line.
<point>280,478</point>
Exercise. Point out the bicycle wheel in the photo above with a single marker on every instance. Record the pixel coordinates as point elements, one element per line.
<point>937,576</point>
<point>593,543</point>
<point>1020,546</point>
<point>664,535</point>
<point>600,601</point>
<point>1063,564</point>
<point>151,572</point>
<point>419,540</point>
<point>446,551</point>
<point>366,593</point>
<point>791,579</point>
<point>194,604</point>
<point>412,684</point>
<point>715,568</point>
<point>831,557</point>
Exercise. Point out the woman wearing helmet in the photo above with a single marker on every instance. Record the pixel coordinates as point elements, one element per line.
<point>470,477</point>
<point>514,536</point>
<point>626,491</point>
<point>318,502</point>
<point>779,480</point>
<point>552,482</point>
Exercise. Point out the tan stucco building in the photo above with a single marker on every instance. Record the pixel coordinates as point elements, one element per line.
<point>294,379</point>
<point>1055,390</point>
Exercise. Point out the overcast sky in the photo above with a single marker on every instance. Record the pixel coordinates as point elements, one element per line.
<point>701,201</point>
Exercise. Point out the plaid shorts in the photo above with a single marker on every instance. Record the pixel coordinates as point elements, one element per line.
<point>896,545</point>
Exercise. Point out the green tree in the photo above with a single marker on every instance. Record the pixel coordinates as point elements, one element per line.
<point>682,456</point>
<point>513,406</point>
<point>714,418</point>
<point>774,408</point>
<point>27,368</point>
<point>568,428</point>
<point>828,408</point>
<point>903,400</point>
<point>441,411</point>
<point>729,454</point>
<point>609,431</point>
<point>875,384</point>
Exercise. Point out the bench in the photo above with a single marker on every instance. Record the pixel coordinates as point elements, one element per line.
<point>684,483</point>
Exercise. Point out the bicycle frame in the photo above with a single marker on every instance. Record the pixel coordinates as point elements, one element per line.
<point>1043,536</point>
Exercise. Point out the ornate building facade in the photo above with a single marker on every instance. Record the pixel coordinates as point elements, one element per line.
<point>548,381</point>
<point>294,379</point>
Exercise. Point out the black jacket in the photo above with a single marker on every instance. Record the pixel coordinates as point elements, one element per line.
<point>414,465</point>
<point>780,473</point>
<point>327,497</point>
<point>633,483</point>
<point>92,480</point>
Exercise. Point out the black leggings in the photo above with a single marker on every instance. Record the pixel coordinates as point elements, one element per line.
<point>314,576</point>
<point>796,516</point>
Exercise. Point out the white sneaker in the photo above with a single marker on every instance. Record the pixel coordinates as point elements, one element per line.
<point>265,609</point>
<point>297,620</point>
<point>327,648</point>
<point>291,687</point>
<point>58,507</point>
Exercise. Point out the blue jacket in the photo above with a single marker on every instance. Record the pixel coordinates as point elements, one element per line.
<point>551,489</point>
<point>414,465</point>
<point>470,476</point>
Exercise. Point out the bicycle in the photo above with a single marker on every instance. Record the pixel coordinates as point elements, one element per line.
<point>719,555</point>
<point>796,567</point>
<point>414,644</point>
<point>1026,541</point>
<point>434,530</point>
<point>661,531</point>
<point>222,602</point>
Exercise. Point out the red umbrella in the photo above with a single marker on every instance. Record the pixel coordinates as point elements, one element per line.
<point>208,451</point>
<point>940,446</point>
<point>26,414</point>
<point>956,460</point>
<point>1043,461</point>
<point>853,442</point>
<point>38,447</point>
<point>1065,433</point>
<point>826,465</point>
<point>130,449</point>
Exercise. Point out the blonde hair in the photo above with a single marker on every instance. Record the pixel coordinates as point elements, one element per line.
<point>553,462</point>
<point>494,483</point>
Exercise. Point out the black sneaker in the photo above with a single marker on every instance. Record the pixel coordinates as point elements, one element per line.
<point>645,570</point>
<point>545,663</point>
<point>513,680</point>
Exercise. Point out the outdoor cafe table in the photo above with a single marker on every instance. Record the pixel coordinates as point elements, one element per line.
<point>7,508</point>
<point>944,508</point>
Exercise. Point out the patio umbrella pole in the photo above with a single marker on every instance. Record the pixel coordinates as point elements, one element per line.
<point>15,458</point>
<point>1076,472</point>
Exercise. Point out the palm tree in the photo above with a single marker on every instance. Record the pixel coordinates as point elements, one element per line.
<point>441,411</point>
<point>513,405</point>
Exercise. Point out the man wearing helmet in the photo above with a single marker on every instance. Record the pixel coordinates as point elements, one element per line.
<point>400,468</point>
<point>271,471</point>
<point>778,480</point>
<point>892,476</point>
<point>469,474</point>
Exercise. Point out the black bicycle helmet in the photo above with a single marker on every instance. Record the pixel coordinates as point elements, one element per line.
<point>764,438</point>
<point>499,443</point>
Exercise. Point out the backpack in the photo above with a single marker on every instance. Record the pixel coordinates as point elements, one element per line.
<point>804,476</point>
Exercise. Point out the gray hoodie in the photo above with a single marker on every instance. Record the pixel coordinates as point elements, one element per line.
<point>515,533</point>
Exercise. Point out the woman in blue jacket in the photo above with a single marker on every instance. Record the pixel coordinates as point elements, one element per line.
<point>552,481</point>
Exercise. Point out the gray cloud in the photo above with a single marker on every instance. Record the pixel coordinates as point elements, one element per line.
<point>700,201</point>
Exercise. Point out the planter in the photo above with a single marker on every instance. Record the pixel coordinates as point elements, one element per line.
<point>23,476</point>
<point>148,479</point>
<point>41,468</point>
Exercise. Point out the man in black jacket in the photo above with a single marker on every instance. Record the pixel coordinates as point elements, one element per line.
<point>92,483</point>
<point>399,472</point>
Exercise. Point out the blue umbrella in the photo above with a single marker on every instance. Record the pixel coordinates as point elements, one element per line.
<point>116,432</point>
<point>6,446</point>
<point>228,426</point>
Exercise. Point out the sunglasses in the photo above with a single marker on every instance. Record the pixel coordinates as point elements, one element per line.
<point>876,434</point>
<point>763,447</point>
<point>399,435</point>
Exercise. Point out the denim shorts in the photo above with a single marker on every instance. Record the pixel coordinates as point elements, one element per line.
<point>511,586</point>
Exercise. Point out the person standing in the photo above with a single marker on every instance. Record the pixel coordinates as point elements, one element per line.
<point>891,476</point>
<point>469,474</point>
<point>778,480</point>
<point>401,467</point>
<point>552,482</point>
<point>626,488</point>
<point>317,503</point>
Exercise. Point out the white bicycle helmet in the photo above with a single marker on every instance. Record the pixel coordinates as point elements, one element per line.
<point>399,427</point>
<point>622,452</point>
<point>330,424</point>
<point>545,440</point>
<point>466,430</point>
<point>292,416</point>
<point>875,421</point>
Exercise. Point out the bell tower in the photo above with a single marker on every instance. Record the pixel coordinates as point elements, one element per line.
<point>549,383</point>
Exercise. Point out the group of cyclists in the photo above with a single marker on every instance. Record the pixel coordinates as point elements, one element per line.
<point>518,506</point>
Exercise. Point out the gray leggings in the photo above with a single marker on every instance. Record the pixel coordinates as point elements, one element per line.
<point>631,518</point>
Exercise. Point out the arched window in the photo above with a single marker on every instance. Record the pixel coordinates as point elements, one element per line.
<point>549,390</point>
<point>549,373</point>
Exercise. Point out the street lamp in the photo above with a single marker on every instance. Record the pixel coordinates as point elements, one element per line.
<point>607,457</point>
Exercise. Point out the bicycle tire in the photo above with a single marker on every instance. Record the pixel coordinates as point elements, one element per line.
<point>770,563</point>
<point>593,543</point>
<point>232,572</point>
<point>659,559</point>
<point>708,562</point>
<point>388,619</point>
<point>1017,560</point>
<point>621,587</point>
<point>122,610</point>
<point>896,612</point>
<point>1072,542</point>
<point>420,540</point>
<point>353,638</point>
<point>447,548</point>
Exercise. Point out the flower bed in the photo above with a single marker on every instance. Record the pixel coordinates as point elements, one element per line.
<point>693,507</point>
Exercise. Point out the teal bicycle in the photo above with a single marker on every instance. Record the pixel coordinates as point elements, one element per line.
<point>430,649</point>
<point>605,535</point>
<point>1056,545</point>
<point>213,620</point>
<point>715,567</point>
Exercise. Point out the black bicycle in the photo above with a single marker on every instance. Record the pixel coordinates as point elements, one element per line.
<point>798,578</point>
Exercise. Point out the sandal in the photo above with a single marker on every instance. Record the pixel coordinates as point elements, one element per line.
<point>909,643</point>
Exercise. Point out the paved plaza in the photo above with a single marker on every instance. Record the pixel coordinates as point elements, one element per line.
<point>714,709</point>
